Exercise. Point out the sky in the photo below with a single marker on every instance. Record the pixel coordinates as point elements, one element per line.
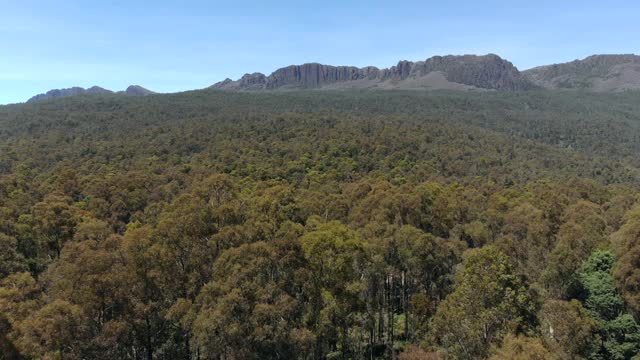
<point>171,46</point>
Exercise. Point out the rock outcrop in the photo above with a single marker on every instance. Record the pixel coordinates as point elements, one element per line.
<point>471,71</point>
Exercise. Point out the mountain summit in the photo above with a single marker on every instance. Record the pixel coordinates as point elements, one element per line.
<point>138,90</point>
<point>439,72</point>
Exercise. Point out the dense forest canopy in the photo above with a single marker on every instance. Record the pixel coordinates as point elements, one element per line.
<point>321,225</point>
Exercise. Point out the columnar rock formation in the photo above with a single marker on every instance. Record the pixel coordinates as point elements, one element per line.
<point>483,72</point>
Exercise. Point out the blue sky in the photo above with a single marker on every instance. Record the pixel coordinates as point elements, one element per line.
<point>170,46</point>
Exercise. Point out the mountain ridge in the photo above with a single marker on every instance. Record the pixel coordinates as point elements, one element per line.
<point>606,72</point>
<point>488,72</point>
<point>135,90</point>
<point>598,73</point>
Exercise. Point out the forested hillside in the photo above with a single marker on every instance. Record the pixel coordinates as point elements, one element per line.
<point>321,225</point>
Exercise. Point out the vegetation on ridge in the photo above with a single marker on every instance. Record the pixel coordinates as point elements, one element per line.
<point>321,225</point>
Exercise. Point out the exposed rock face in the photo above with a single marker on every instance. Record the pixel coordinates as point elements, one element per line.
<point>487,72</point>
<point>595,73</point>
<point>484,72</point>
<point>312,75</point>
<point>253,81</point>
<point>58,93</point>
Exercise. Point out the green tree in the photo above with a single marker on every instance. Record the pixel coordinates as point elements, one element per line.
<point>488,302</point>
<point>19,297</point>
<point>619,332</point>
<point>626,242</point>
<point>599,292</point>
<point>11,261</point>
<point>522,348</point>
<point>147,319</point>
<point>525,238</point>
<point>53,332</point>
<point>582,232</point>
<point>336,259</point>
<point>423,267</point>
<point>92,275</point>
<point>254,307</point>
<point>568,329</point>
<point>55,220</point>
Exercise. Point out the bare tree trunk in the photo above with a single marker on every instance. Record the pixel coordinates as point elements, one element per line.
<point>404,308</point>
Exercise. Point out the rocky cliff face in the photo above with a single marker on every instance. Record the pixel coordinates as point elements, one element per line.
<point>595,73</point>
<point>483,72</point>
<point>487,72</point>
<point>312,75</point>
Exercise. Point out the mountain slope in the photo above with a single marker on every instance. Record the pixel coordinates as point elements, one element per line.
<point>439,72</point>
<point>604,125</point>
<point>276,207</point>
<point>138,90</point>
<point>596,73</point>
<point>58,93</point>
<point>599,73</point>
<point>135,90</point>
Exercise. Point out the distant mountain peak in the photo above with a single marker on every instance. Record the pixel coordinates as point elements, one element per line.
<point>58,93</point>
<point>595,73</point>
<point>138,90</point>
<point>601,72</point>
<point>439,72</point>
<point>135,90</point>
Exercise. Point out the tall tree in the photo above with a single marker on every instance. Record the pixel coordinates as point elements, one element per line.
<point>619,331</point>
<point>568,329</point>
<point>254,307</point>
<point>626,242</point>
<point>522,348</point>
<point>489,301</point>
<point>336,258</point>
<point>11,261</point>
